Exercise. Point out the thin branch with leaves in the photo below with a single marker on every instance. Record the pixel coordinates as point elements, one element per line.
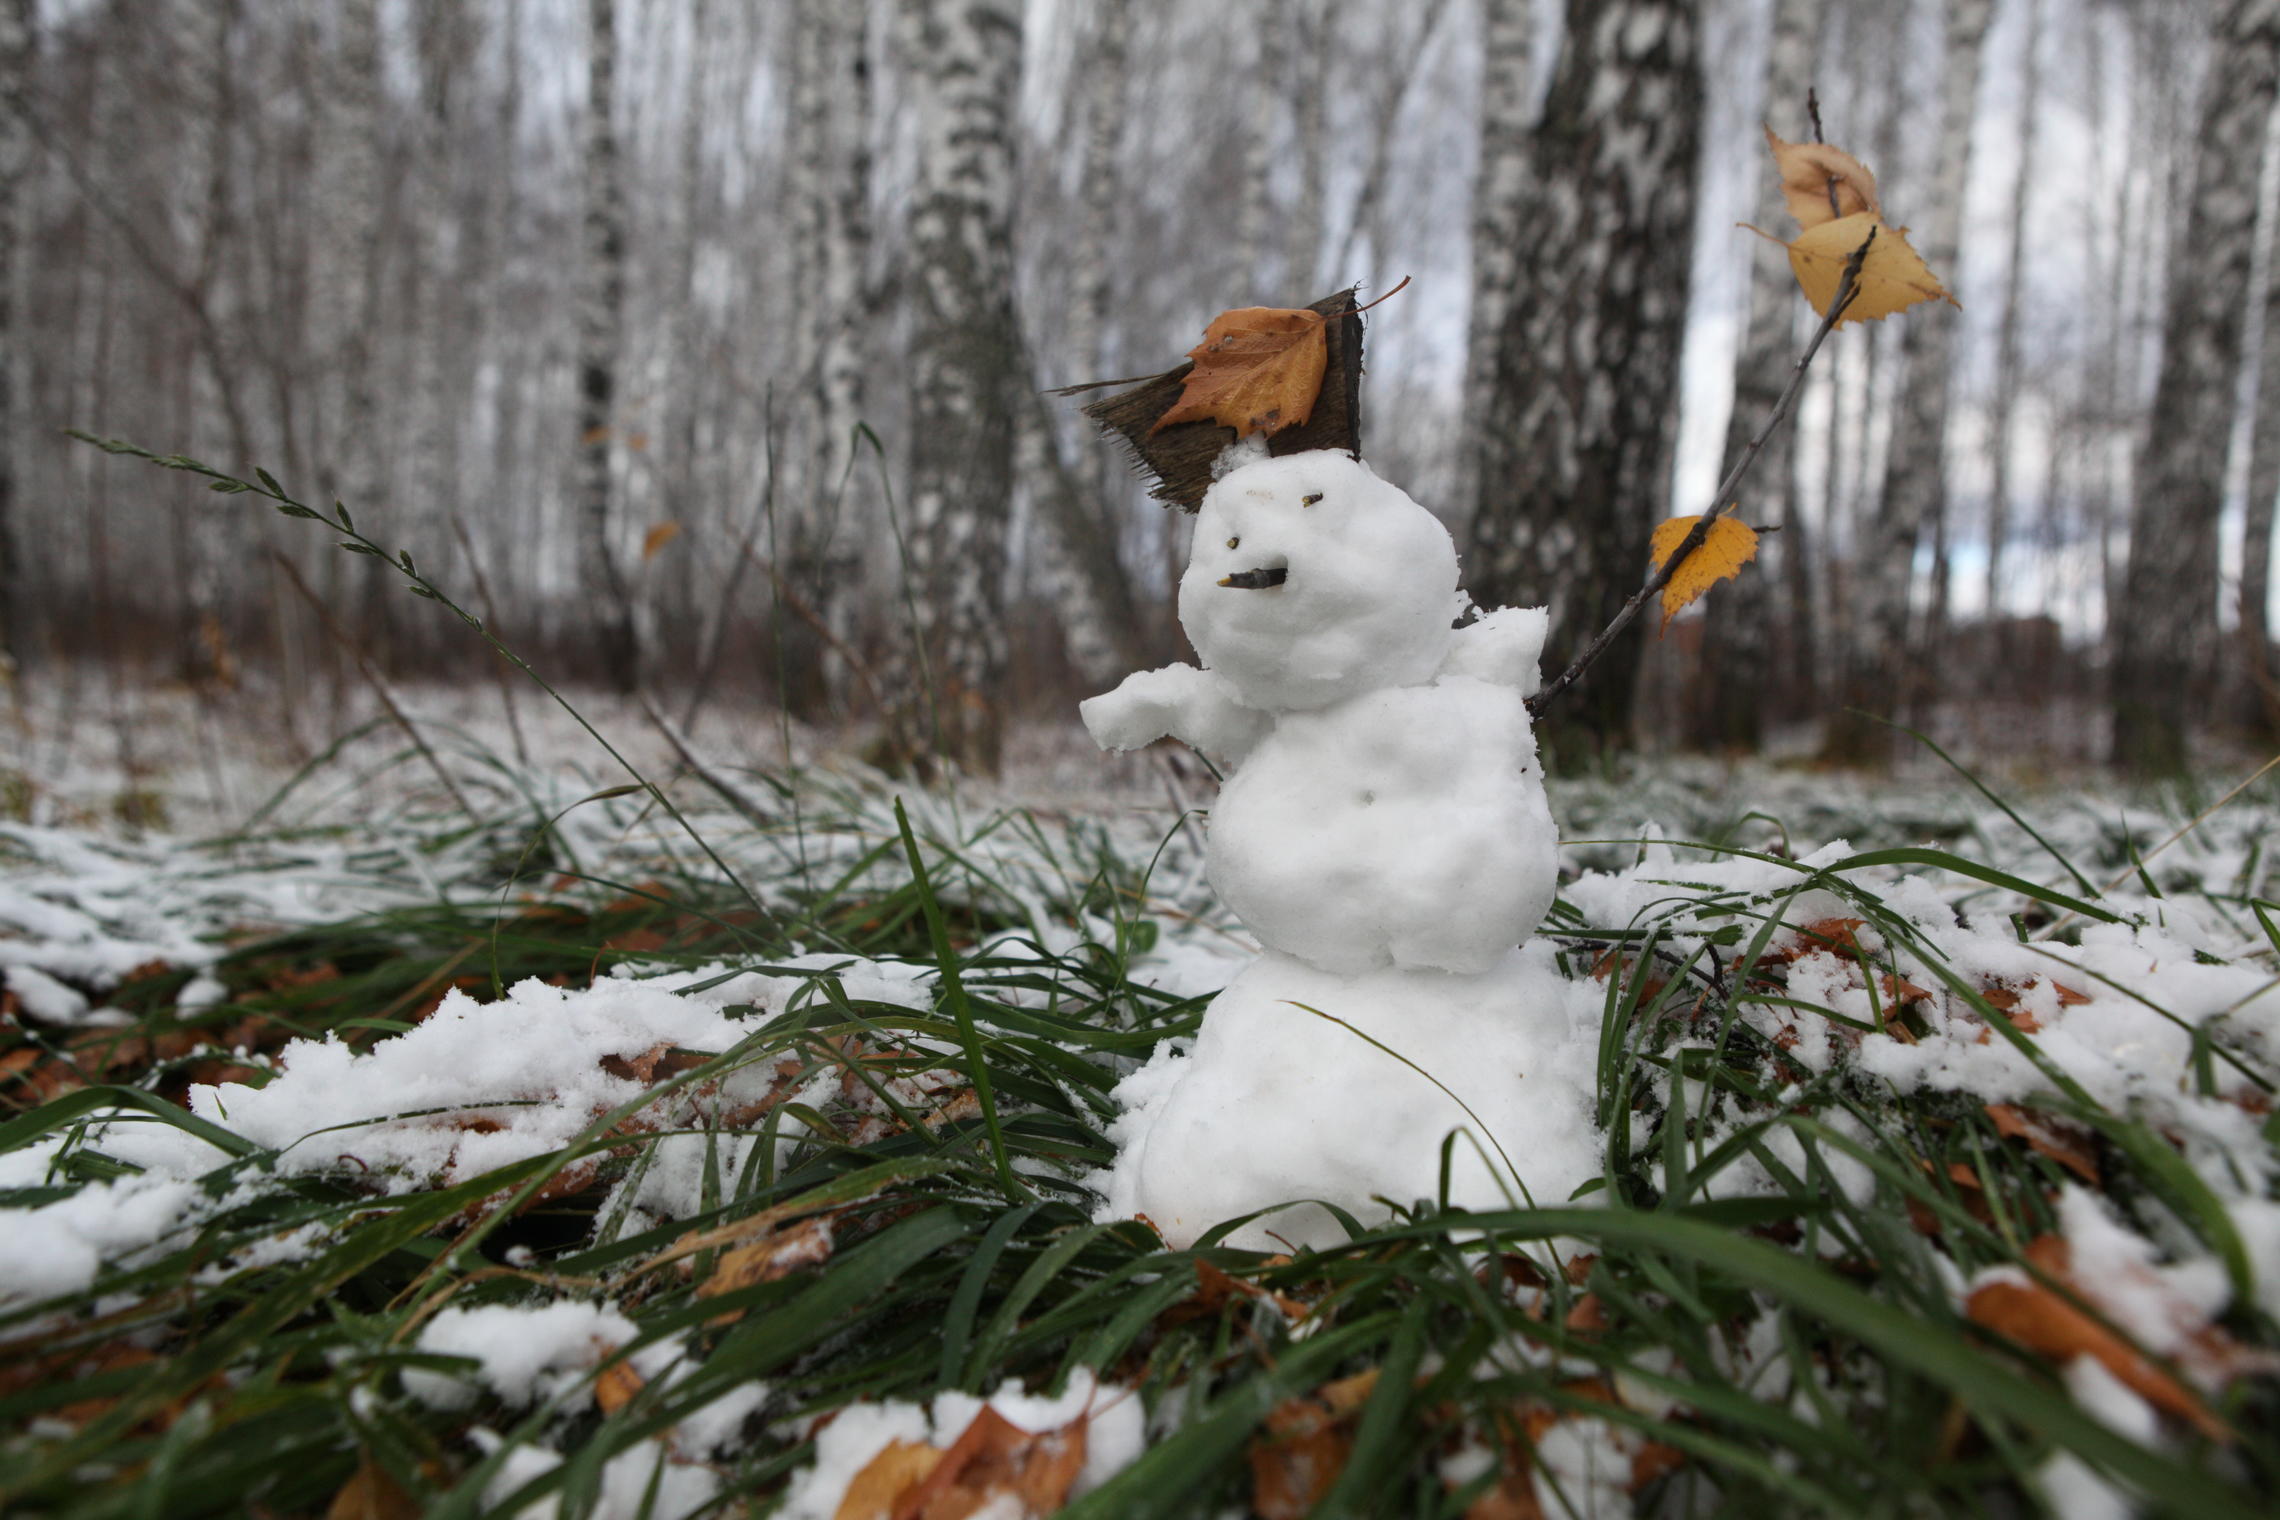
<point>1722,500</point>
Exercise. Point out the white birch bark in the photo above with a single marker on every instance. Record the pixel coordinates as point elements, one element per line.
<point>2004,404</point>
<point>1574,448</point>
<point>601,358</point>
<point>1878,664</point>
<point>2257,701</point>
<point>1727,704</point>
<point>2164,640</point>
<point>963,59</point>
<point>1506,36</point>
<point>1080,574</point>
<point>17,55</point>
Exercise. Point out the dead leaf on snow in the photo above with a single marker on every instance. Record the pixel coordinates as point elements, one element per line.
<point>616,1386</point>
<point>2043,1321</point>
<point>2066,1144</point>
<point>995,1458</point>
<point>1305,1447</point>
<point>370,1494</point>
<point>769,1258</point>
<point>873,1493</point>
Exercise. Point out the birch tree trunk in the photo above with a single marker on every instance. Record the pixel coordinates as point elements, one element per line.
<point>964,62</point>
<point>1878,662</point>
<point>206,30</point>
<point>601,358</point>
<point>2005,402</point>
<point>1496,200</point>
<point>2257,702</point>
<point>1082,575</point>
<point>830,195</point>
<point>16,59</point>
<point>345,305</point>
<point>2165,637</point>
<point>1728,699</point>
<point>1574,449</point>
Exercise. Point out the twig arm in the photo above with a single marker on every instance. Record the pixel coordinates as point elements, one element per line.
<point>1847,289</point>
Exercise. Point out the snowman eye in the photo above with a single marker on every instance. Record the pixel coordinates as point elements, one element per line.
<point>1234,543</point>
<point>1308,501</point>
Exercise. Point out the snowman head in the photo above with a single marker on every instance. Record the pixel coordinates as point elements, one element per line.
<point>1312,581</point>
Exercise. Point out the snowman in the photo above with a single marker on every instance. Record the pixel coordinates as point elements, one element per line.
<point>1384,833</point>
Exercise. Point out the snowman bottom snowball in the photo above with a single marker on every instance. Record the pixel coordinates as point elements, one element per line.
<point>1278,1108</point>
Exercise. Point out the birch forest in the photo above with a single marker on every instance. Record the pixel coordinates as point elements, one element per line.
<point>707,348</point>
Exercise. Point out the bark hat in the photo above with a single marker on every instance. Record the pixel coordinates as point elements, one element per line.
<point>1179,458</point>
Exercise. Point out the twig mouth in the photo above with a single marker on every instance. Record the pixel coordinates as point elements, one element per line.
<point>1257,580</point>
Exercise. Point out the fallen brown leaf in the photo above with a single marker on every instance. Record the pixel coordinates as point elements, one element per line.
<point>773,1256</point>
<point>370,1494</point>
<point>2044,1322</point>
<point>616,1386</point>
<point>2066,1144</point>
<point>992,1458</point>
<point>875,1491</point>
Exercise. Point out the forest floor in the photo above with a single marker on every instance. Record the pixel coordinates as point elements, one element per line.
<point>372,1144</point>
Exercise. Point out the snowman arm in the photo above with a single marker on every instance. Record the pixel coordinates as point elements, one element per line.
<point>1178,701</point>
<point>1502,648</point>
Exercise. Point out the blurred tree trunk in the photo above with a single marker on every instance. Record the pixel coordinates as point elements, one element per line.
<point>2166,634</point>
<point>1575,445</point>
<point>1505,110</point>
<point>441,324</point>
<point>16,60</point>
<point>206,31</point>
<point>1082,573</point>
<point>601,358</point>
<point>964,59</point>
<point>1878,656</point>
<point>2256,703</point>
<point>2004,404</point>
<point>829,192</point>
<point>1728,699</point>
<point>686,361</point>
<point>345,307</point>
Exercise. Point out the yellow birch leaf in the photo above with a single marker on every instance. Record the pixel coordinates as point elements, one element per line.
<point>1892,278</point>
<point>657,538</point>
<point>1729,545</point>
<point>1821,183</point>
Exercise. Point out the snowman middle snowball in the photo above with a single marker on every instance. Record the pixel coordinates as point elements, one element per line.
<point>1387,806</point>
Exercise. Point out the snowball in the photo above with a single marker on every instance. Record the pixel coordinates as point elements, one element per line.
<point>1370,587</point>
<point>1276,1104</point>
<point>1407,827</point>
